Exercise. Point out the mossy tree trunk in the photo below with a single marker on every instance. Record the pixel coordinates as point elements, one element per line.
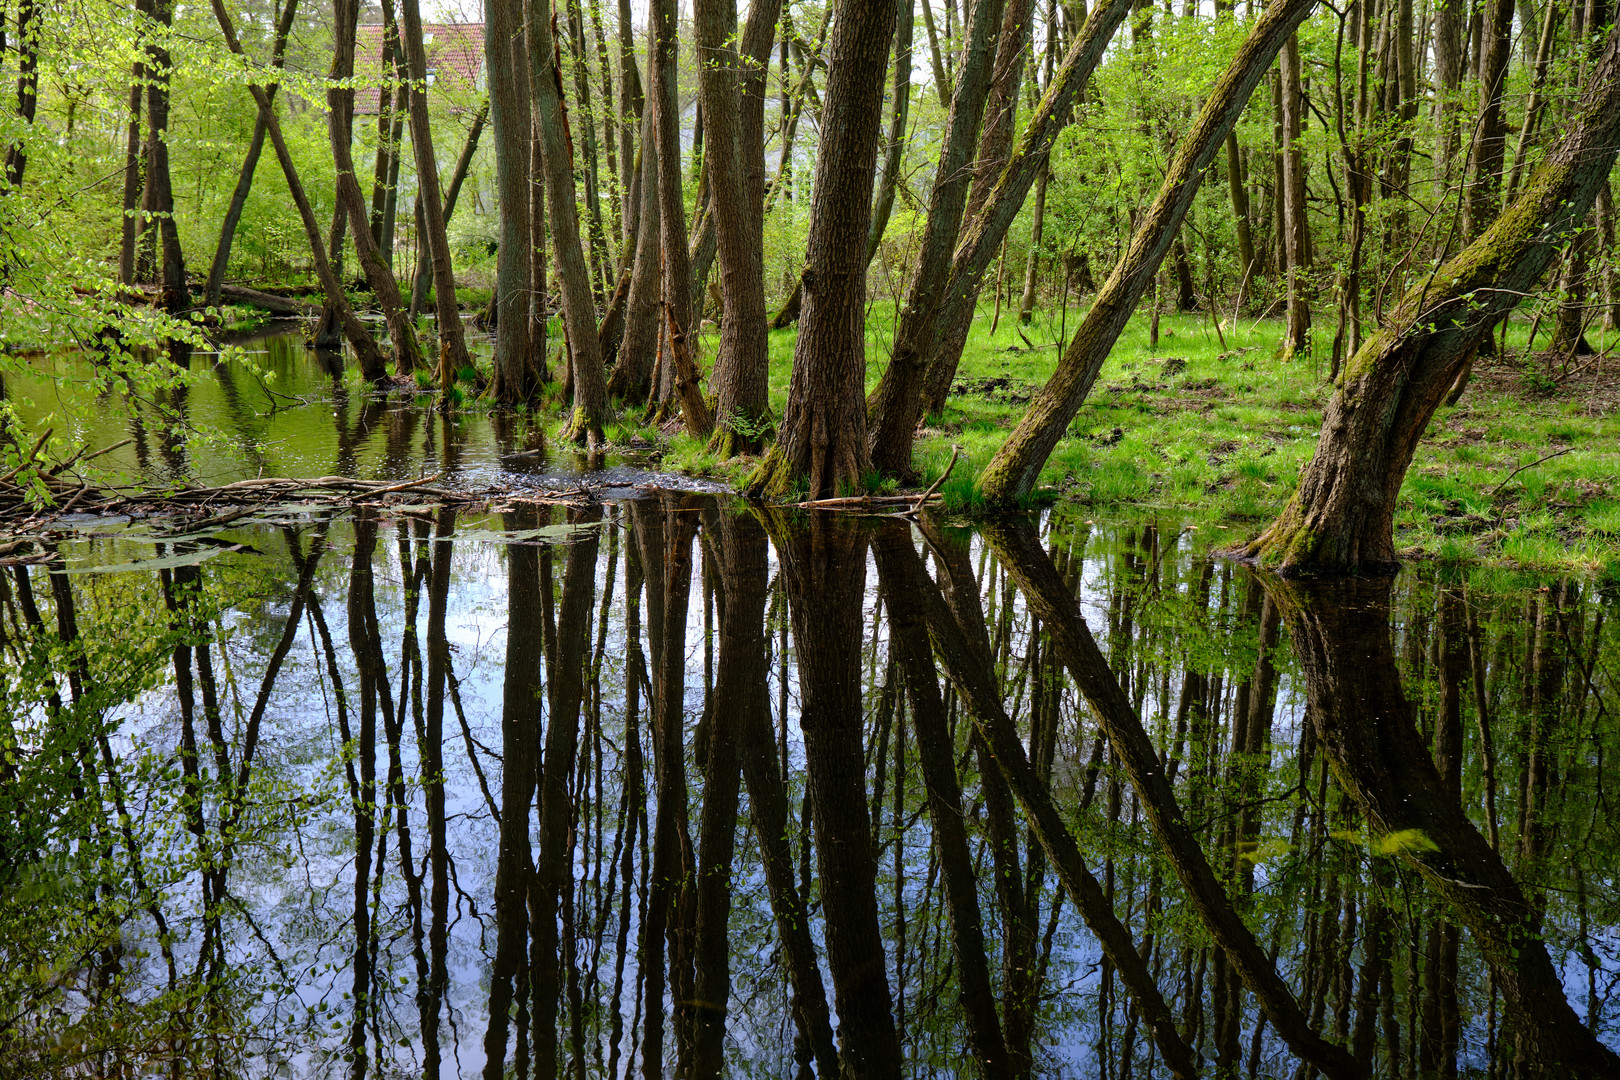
<point>1012,473</point>
<point>1341,520</point>
<point>822,439</point>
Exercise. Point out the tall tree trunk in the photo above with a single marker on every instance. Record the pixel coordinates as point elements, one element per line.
<point>677,264</point>
<point>452,342</point>
<point>1296,242</point>
<point>372,367</point>
<point>134,155</point>
<point>894,147</point>
<point>1490,133</point>
<point>731,84</point>
<point>633,363</point>
<point>1341,518</point>
<point>507,68</point>
<point>822,438</point>
<point>340,123</point>
<point>387,111</point>
<point>452,192</point>
<point>590,410</point>
<point>892,408</point>
<point>1012,473</point>
<point>159,189</point>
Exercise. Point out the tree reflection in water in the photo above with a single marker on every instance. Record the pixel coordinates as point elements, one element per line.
<point>682,787</point>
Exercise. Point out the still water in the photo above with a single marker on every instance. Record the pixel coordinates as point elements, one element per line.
<point>677,786</point>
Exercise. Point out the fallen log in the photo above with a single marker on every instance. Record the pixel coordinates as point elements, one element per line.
<point>277,305</point>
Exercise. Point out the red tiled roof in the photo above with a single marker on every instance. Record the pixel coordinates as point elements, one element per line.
<point>455,59</point>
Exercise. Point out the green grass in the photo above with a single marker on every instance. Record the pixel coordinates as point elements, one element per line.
<point>1219,433</point>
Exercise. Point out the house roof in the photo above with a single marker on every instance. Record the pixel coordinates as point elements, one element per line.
<point>455,59</point>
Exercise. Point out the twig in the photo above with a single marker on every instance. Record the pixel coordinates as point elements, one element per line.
<point>28,456</point>
<point>1521,468</point>
<point>956,452</point>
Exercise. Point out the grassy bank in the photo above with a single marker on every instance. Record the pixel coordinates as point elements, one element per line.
<point>1218,433</point>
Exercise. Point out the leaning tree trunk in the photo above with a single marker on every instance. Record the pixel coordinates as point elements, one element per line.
<point>1012,473</point>
<point>452,342</point>
<point>372,367</point>
<point>250,164</point>
<point>983,236</point>
<point>822,439</point>
<point>340,124</point>
<point>1341,520</point>
<point>507,67</point>
<point>579,309</point>
<point>892,408</point>
<point>895,145</point>
<point>458,176</point>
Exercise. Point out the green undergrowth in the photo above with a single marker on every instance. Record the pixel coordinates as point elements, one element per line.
<point>1218,431</point>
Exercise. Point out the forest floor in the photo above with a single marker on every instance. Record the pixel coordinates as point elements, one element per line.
<point>1524,471</point>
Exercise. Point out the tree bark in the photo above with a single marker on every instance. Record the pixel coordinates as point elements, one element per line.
<point>899,112</point>
<point>175,297</point>
<point>590,410</point>
<point>134,158</point>
<point>731,83</point>
<point>507,66</point>
<point>1012,473</point>
<point>1296,242</point>
<point>458,176</point>
<point>677,264</point>
<point>1341,519</point>
<point>822,439</point>
<point>632,366</point>
<point>340,122</point>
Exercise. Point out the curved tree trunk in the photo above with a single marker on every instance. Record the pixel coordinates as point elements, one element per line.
<point>372,367</point>
<point>556,154</point>
<point>822,438</point>
<point>1012,473</point>
<point>507,68</point>
<point>1341,520</point>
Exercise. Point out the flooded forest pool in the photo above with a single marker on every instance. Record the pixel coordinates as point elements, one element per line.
<point>676,785</point>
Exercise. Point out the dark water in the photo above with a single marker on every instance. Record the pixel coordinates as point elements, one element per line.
<point>679,782</point>
<point>677,786</point>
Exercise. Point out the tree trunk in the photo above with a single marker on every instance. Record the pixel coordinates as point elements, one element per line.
<point>452,192</point>
<point>134,159</point>
<point>506,66</point>
<point>1012,473</point>
<point>1341,518</point>
<point>372,367</point>
<point>1341,634</point>
<point>732,88</point>
<point>387,145</point>
<point>822,438</point>
<point>892,408</point>
<point>590,410</point>
<point>995,145</point>
<point>452,341</point>
<point>894,147</point>
<point>632,366</point>
<point>1296,226</point>
<point>1490,133</point>
<point>159,190</point>
<point>250,165</point>
<point>677,264</point>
